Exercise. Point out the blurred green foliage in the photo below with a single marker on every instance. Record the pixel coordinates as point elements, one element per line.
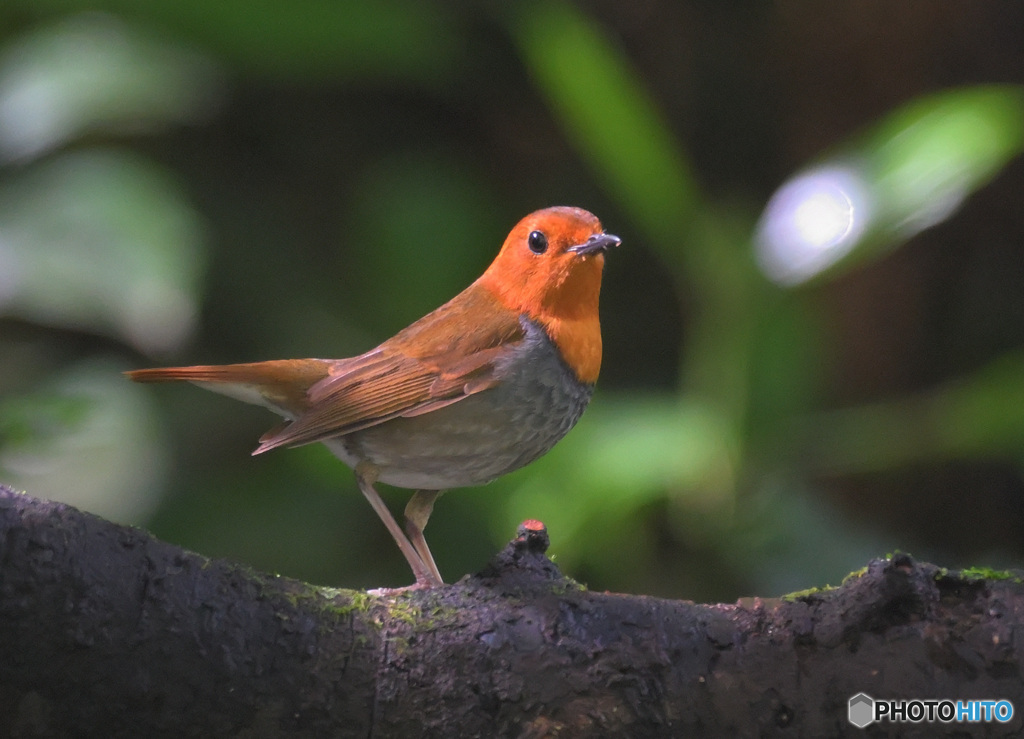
<point>193,182</point>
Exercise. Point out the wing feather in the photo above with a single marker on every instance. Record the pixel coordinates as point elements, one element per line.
<point>444,357</point>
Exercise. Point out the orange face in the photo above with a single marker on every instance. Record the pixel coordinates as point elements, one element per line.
<point>550,264</point>
<point>549,269</point>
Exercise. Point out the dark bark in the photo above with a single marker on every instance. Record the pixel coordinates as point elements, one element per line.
<point>105,631</point>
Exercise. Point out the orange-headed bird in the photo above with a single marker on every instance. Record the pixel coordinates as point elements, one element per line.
<point>483,385</point>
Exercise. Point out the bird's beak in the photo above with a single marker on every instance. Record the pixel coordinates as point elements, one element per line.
<point>597,242</point>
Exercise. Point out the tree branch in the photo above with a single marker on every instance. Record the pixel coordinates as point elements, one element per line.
<point>106,631</point>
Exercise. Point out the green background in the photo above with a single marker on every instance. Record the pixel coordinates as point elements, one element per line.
<point>195,182</point>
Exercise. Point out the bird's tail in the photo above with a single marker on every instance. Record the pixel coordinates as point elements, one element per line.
<point>280,385</point>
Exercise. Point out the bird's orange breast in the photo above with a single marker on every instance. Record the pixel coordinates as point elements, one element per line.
<point>565,303</point>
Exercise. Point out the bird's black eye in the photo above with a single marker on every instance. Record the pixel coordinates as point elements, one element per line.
<point>537,242</point>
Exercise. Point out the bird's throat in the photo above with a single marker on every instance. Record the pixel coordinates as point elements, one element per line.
<point>578,340</point>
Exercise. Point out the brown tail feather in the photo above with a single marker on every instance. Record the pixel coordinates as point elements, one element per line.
<point>200,373</point>
<point>277,372</point>
<point>279,384</point>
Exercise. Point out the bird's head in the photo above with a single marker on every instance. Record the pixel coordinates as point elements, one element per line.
<point>549,270</point>
<point>550,265</point>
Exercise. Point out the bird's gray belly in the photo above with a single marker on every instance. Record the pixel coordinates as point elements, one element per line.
<point>482,436</point>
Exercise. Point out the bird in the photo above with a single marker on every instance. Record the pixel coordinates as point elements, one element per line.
<point>483,385</point>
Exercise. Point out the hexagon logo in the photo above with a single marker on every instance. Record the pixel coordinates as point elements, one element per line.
<point>861,710</point>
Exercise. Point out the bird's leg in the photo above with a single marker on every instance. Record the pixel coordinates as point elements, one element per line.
<point>417,512</point>
<point>426,576</point>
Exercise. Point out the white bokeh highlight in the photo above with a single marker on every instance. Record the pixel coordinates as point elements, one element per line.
<point>812,222</point>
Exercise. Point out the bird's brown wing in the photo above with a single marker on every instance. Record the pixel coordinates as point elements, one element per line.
<point>444,357</point>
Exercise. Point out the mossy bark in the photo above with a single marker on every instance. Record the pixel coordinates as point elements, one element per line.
<point>106,631</point>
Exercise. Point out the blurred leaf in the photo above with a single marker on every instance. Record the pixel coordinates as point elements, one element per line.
<point>910,172</point>
<point>101,241</point>
<point>93,72</point>
<point>789,359</point>
<point>929,156</point>
<point>980,416</point>
<point>608,115</point>
<point>406,39</point>
<point>654,444</point>
<point>26,419</point>
<point>85,437</point>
